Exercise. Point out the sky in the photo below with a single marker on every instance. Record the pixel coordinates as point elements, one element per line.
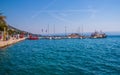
<point>39,16</point>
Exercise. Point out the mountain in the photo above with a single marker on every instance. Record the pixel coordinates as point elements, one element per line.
<point>21,31</point>
<point>18,30</point>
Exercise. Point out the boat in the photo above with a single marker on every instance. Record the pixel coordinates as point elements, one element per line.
<point>97,34</point>
<point>33,37</point>
<point>74,35</point>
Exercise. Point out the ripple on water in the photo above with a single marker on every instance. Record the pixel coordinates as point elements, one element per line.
<point>62,57</point>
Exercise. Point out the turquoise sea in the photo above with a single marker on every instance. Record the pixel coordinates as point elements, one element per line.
<point>62,57</point>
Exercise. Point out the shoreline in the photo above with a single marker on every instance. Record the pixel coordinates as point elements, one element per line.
<point>10,42</point>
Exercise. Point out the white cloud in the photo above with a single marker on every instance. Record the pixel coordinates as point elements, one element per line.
<point>40,11</point>
<point>59,17</point>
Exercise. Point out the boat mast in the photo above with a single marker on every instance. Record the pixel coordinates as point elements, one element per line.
<point>54,30</point>
<point>82,30</point>
<point>48,30</point>
<point>79,31</point>
<point>65,31</point>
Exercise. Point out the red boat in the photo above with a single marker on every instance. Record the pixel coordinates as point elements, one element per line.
<point>33,37</point>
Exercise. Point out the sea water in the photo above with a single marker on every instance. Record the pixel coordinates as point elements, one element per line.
<point>62,57</point>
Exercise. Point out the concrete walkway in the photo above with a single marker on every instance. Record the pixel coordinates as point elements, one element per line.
<point>10,42</point>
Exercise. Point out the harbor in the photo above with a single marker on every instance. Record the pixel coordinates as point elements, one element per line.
<point>59,37</point>
<point>95,35</point>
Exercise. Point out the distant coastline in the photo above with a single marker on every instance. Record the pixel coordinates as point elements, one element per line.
<point>86,33</point>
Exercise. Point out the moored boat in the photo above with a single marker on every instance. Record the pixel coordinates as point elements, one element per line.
<point>98,35</point>
<point>33,37</point>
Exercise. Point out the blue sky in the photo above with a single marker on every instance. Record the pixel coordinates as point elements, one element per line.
<point>35,15</point>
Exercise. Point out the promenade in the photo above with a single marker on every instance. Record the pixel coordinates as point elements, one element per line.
<point>10,42</point>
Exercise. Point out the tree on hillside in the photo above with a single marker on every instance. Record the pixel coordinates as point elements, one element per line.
<point>3,23</point>
<point>11,31</point>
